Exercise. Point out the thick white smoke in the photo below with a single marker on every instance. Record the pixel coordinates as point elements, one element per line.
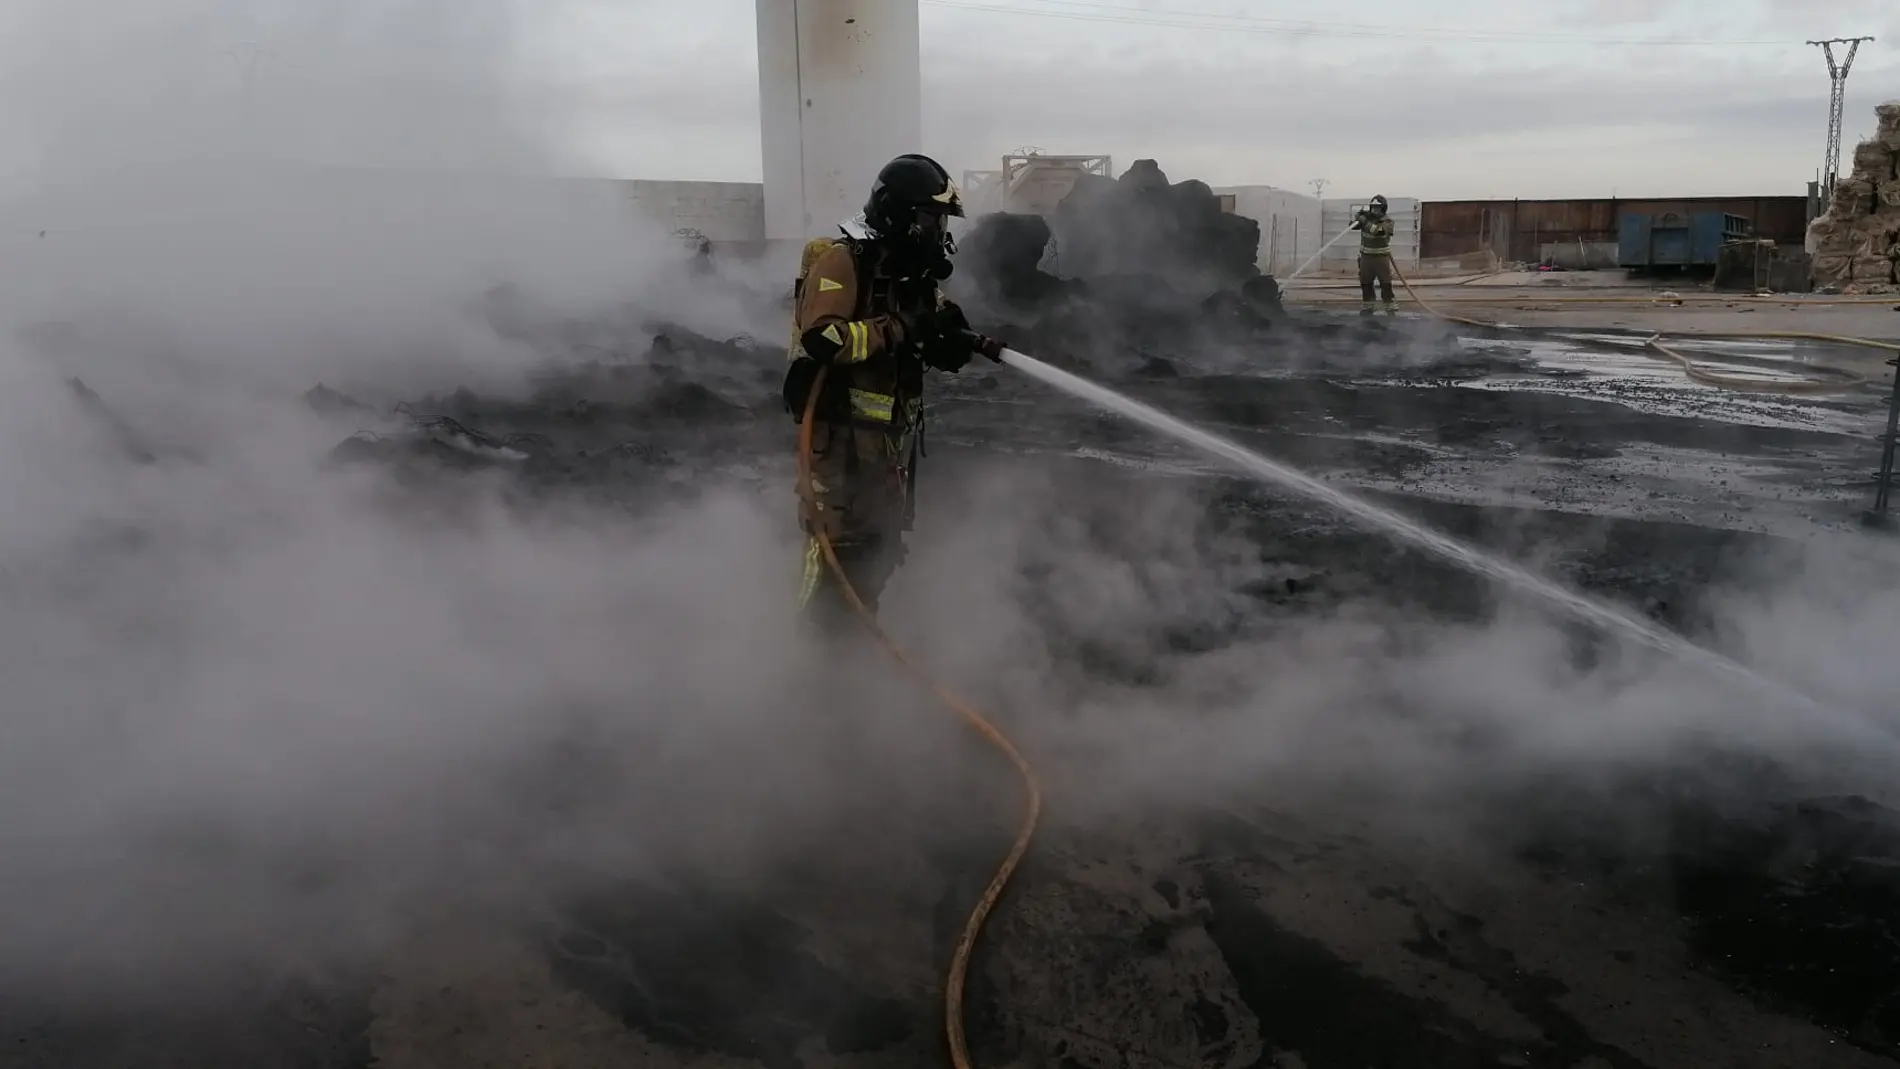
<point>253,704</point>
<point>259,707</point>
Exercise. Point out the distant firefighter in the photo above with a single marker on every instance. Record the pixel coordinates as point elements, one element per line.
<point>1375,254</point>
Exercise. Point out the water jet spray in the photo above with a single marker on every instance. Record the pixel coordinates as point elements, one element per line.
<point>1597,613</point>
<point>1310,260</point>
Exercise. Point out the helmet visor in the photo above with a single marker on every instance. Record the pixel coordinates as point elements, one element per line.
<point>949,202</point>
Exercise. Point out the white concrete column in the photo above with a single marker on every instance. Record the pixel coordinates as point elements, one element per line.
<point>839,95</point>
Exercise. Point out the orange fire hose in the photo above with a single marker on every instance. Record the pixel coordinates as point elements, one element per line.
<point>1032,810</point>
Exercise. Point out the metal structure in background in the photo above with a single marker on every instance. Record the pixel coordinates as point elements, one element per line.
<point>1883,479</point>
<point>1031,181</point>
<point>981,189</point>
<point>1837,103</point>
<point>1677,239</point>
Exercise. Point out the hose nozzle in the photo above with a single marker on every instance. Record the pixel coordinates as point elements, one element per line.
<point>983,344</point>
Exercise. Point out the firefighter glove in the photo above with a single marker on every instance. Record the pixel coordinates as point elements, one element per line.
<point>920,326</point>
<point>951,320</point>
<point>947,352</point>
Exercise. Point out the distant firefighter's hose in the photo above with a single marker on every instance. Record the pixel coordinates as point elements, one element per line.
<point>1823,378</point>
<point>1032,808</point>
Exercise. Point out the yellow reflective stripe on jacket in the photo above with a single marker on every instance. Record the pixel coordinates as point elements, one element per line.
<point>1383,250</point>
<point>872,406</point>
<point>1376,236</point>
<point>857,343</point>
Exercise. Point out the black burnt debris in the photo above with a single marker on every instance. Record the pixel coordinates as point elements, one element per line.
<point>1749,923</point>
<point>1140,225</point>
<point>1135,254</point>
<point>1703,911</point>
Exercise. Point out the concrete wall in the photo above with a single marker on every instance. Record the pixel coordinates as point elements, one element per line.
<point>728,212</point>
<point>1289,224</point>
<point>723,211</point>
<point>1343,256</point>
<point>839,94</point>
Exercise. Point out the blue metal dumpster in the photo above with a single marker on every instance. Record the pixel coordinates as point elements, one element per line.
<point>1673,239</point>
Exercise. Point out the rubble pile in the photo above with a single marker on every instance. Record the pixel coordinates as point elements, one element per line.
<point>1003,256</point>
<point>1134,248</point>
<point>1857,243</point>
<point>1140,224</point>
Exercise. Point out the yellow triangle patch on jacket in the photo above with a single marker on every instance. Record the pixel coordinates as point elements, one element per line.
<point>831,333</point>
<point>826,285</point>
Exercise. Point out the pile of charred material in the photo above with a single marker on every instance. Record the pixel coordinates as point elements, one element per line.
<point>1134,252</point>
<point>1857,243</point>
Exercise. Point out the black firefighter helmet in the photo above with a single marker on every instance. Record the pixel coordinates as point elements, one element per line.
<point>909,202</point>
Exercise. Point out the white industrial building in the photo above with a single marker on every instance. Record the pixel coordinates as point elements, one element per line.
<point>1289,224</point>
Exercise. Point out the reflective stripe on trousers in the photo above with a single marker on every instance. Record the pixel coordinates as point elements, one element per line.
<point>814,571</point>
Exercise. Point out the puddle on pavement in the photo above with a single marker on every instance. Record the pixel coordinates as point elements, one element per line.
<point>1575,364</point>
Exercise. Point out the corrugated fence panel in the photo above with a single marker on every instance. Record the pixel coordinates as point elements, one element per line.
<point>1516,229</point>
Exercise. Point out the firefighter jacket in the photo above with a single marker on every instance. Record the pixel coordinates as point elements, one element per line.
<point>1375,234</point>
<point>849,314</point>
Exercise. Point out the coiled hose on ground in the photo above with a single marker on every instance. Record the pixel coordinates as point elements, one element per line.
<point>1032,808</point>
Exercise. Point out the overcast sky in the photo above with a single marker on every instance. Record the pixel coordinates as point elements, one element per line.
<point>1479,98</point>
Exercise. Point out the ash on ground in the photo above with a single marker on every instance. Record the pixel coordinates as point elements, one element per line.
<point>1702,908</point>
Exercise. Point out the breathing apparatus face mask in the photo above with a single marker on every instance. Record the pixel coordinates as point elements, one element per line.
<point>924,247</point>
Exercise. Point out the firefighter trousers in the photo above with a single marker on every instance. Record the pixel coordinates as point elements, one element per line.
<point>861,492</point>
<point>1374,267</point>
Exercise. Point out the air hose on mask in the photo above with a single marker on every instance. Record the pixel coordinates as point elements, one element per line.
<point>1032,807</point>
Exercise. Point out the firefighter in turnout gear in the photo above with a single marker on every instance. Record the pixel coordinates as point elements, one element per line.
<point>1375,254</point>
<point>867,307</point>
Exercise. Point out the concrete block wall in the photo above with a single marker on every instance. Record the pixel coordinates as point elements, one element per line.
<point>723,211</point>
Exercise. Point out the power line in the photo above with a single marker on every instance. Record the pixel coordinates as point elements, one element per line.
<point>1081,11</point>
